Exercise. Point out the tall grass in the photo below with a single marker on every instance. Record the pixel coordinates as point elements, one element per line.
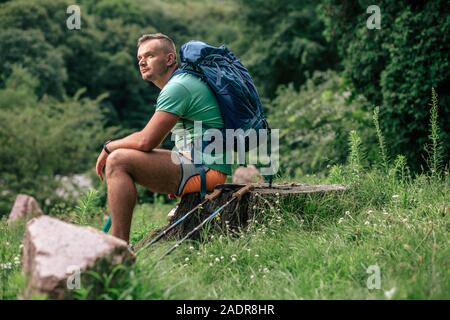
<point>381,144</point>
<point>435,154</point>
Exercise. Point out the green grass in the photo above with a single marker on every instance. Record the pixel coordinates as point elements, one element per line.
<point>320,252</point>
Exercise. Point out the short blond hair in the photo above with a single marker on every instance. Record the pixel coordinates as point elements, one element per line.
<point>168,44</point>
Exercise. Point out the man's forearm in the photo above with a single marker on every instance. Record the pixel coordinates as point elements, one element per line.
<point>135,141</point>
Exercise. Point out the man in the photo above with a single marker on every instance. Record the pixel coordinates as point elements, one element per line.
<point>135,159</point>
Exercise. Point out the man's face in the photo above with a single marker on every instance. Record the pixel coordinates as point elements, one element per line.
<point>153,61</point>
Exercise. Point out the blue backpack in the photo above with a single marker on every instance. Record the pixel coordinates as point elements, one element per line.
<point>230,81</point>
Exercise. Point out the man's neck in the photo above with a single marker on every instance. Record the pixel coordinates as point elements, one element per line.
<point>160,83</point>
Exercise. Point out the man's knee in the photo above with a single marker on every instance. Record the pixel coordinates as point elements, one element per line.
<point>118,159</point>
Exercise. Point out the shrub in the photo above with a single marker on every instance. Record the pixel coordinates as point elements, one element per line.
<point>396,66</point>
<point>41,138</point>
<point>315,123</point>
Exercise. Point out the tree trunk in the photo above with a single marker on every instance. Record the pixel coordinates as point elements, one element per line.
<point>239,213</point>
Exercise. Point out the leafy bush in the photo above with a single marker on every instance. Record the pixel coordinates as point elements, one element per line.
<point>281,42</point>
<point>315,122</point>
<point>41,138</point>
<point>396,66</point>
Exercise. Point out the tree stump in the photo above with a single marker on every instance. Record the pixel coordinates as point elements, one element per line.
<point>238,214</point>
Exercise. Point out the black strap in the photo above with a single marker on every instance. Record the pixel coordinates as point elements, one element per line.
<point>201,171</point>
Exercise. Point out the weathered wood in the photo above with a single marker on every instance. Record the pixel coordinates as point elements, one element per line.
<point>238,213</point>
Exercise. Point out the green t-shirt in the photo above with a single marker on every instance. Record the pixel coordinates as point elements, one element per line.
<point>192,100</point>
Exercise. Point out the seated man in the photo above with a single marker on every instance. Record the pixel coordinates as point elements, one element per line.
<point>183,99</point>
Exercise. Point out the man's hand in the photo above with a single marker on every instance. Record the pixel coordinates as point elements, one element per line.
<point>145,140</point>
<point>101,162</point>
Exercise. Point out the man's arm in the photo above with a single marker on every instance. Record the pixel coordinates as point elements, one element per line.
<point>151,136</point>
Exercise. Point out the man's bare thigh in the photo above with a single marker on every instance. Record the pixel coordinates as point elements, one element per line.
<point>156,170</point>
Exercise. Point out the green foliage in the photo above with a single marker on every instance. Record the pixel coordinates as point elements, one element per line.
<point>400,169</point>
<point>435,154</point>
<point>11,277</point>
<point>41,138</point>
<point>282,42</point>
<point>397,65</point>
<point>42,60</point>
<point>355,156</point>
<point>101,56</point>
<point>315,123</point>
<point>87,207</point>
<point>381,144</point>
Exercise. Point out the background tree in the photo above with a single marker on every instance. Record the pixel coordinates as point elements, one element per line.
<point>282,42</point>
<point>397,65</point>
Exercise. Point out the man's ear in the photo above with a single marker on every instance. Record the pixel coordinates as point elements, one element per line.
<point>171,59</point>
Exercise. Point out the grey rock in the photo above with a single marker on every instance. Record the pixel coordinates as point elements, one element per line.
<point>249,174</point>
<point>25,207</point>
<point>71,187</point>
<point>56,256</point>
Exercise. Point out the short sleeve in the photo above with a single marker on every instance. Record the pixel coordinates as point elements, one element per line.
<point>174,98</point>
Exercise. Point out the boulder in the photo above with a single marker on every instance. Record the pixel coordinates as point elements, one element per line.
<point>72,187</point>
<point>57,256</point>
<point>249,174</point>
<point>25,207</point>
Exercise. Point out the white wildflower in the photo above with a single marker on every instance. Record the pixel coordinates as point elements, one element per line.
<point>187,259</point>
<point>390,293</point>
